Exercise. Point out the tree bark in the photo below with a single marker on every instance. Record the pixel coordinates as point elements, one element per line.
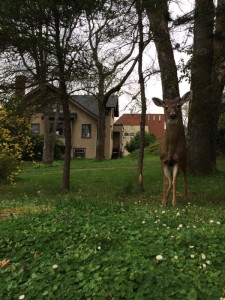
<point>53,134</point>
<point>67,133</point>
<point>199,149</point>
<point>46,156</point>
<point>158,15</point>
<point>100,151</point>
<point>218,77</point>
<point>143,99</point>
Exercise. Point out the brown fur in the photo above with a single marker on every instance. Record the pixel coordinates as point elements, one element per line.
<point>173,145</point>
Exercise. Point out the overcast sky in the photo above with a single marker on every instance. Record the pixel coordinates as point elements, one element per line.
<point>153,88</point>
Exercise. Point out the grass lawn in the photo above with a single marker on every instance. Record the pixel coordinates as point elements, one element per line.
<point>105,240</point>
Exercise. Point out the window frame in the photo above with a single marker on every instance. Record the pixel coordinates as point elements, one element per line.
<point>87,135</point>
<point>38,126</point>
<point>82,152</point>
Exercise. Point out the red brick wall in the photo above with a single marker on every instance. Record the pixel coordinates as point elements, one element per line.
<point>155,122</point>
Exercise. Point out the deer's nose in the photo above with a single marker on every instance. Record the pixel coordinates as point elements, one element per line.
<point>173,116</point>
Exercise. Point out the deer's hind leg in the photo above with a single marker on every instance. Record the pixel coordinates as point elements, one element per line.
<point>167,185</point>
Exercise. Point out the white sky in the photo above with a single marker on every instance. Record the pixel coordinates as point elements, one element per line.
<point>153,87</point>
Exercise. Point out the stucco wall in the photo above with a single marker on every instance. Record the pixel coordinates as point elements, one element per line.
<point>89,143</point>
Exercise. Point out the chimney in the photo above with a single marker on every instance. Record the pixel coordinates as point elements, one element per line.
<point>20,85</point>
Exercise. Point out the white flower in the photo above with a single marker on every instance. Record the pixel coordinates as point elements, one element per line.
<point>208,262</point>
<point>211,221</point>
<point>191,246</point>
<point>143,222</point>
<point>194,226</point>
<point>55,266</point>
<point>204,265</point>
<point>218,222</point>
<point>176,257</point>
<point>163,212</point>
<point>192,255</point>
<point>180,226</point>
<point>159,257</point>
<point>222,298</point>
<point>178,214</point>
<point>203,256</point>
<point>99,248</point>
<point>21,297</point>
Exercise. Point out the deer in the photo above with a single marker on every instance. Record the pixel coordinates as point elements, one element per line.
<point>173,153</point>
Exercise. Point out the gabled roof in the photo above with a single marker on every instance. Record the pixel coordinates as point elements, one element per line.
<point>88,103</point>
<point>155,122</point>
<point>134,119</point>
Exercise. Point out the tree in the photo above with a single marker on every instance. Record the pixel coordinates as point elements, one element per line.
<point>158,14</point>
<point>208,75</point>
<point>112,43</point>
<point>202,60</point>
<point>47,41</point>
<point>139,8</point>
<point>207,81</point>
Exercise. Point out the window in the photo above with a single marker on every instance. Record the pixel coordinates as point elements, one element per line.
<point>59,129</point>
<point>79,152</point>
<point>129,134</point>
<point>159,118</point>
<point>86,131</point>
<point>35,128</point>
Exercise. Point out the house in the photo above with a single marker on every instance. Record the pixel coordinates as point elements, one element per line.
<point>128,125</point>
<point>84,120</point>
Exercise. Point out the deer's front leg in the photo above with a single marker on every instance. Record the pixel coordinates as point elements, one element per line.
<point>175,173</point>
<point>167,186</point>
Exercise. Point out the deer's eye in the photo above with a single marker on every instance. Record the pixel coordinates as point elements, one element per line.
<point>166,107</point>
<point>178,106</point>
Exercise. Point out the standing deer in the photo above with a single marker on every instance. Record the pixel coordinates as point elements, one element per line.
<point>173,145</point>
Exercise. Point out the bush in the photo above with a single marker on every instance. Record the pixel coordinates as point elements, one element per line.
<point>9,167</point>
<point>37,148</point>
<point>135,141</point>
<point>14,143</point>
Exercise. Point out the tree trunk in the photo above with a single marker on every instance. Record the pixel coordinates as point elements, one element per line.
<point>218,77</point>
<point>67,133</point>
<point>158,15</point>
<point>199,149</point>
<point>100,151</point>
<point>53,135</point>
<point>46,155</point>
<point>143,99</point>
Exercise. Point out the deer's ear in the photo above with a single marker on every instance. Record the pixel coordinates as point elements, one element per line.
<point>186,97</point>
<point>158,102</point>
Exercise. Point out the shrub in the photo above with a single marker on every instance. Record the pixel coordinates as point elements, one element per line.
<point>14,142</point>
<point>37,148</point>
<point>135,141</point>
<point>9,168</point>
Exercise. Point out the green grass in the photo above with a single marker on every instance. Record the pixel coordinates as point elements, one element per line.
<point>105,240</point>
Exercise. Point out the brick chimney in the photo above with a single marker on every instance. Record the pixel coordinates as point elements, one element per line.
<point>20,85</point>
